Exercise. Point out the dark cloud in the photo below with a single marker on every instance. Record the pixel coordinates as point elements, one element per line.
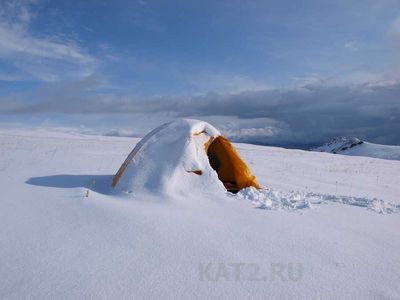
<point>302,116</point>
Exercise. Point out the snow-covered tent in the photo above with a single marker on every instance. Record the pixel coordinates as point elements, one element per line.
<point>182,156</point>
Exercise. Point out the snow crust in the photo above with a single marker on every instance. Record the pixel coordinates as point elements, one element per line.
<point>63,234</point>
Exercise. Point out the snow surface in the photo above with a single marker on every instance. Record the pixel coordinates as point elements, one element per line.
<point>335,216</point>
<point>375,150</point>
<point>356,147</point>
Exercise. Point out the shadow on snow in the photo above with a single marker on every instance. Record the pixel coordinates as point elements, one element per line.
<point>97,183</point>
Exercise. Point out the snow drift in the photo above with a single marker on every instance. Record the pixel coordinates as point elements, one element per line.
<point>182,157</point>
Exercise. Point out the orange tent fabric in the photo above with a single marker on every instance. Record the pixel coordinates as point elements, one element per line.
<point>231,169</point>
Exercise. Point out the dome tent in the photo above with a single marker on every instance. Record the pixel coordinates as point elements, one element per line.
<point>182,156</point>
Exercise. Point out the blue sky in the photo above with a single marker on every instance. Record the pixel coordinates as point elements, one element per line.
<point>276,72</point>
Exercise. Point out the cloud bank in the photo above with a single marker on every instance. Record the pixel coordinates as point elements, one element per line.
<point>300,115</point>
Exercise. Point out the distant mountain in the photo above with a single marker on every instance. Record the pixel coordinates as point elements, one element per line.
<point>356,147</point>
<point>339,144</point>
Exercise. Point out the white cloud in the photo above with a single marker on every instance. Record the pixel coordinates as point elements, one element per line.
<point>16,43</point>
<point>44,58</point>
<point>352,46</point>
<point>254,129</point>
<point>9,77</point>
<point>225,83</point>
<point>17,14</point>
<point>394,29</point>
<point>308,79</point>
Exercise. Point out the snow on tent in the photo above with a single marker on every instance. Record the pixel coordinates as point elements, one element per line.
<point>182,156</point>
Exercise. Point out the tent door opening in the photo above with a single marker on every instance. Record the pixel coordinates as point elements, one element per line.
<point>222,159</point>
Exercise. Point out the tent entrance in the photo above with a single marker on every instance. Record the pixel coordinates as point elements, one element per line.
<point>231,169</point>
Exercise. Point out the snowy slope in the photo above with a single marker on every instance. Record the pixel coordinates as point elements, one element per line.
<point>57,243</point>
<point>356,147</point>
<point>375,150</point>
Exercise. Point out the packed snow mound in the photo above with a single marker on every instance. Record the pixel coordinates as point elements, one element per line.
<point>356,147</point>
<point>166,159</point>
<point>183,157</point>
